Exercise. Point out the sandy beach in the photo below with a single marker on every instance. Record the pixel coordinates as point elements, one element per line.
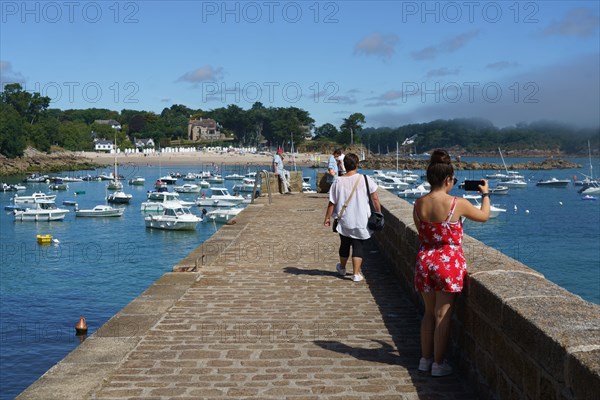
<point>201,158</point>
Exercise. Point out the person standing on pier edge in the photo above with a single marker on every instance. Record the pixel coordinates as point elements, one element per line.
<point>441,266</point>
<point>349,192</point>
<point>279,170</point>
<point>332,166</point>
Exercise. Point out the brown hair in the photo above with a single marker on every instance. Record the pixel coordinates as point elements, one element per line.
<point>440,167</point>
<point>350,162</point>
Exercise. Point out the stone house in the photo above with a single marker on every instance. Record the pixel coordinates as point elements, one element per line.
<point>204,129</point>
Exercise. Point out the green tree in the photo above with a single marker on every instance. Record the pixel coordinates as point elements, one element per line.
<point>327,130</point>
<point>29,106</point>
<point>12,138</point>
<point>351,128</point>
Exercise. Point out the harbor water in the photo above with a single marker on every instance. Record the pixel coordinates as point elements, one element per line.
<point>99,265</point>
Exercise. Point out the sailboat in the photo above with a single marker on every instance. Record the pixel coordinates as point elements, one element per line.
<point>118,196</point>
<point>513,179</point>
<point>114,183</point>
<point>590,185</point>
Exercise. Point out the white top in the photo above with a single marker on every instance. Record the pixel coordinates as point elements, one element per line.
<point>354,220</point>
<point>278,164</point>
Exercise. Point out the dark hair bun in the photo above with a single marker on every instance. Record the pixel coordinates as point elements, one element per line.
<point>440,157</point>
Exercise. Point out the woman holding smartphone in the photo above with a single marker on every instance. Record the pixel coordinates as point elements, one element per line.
<point>441,266</point>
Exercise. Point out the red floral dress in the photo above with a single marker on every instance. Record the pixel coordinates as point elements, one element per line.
<point>441,263</point>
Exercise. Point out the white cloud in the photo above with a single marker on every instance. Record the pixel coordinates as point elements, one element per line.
<point>447,46</point>
<point>377,44</point>
<point>579,22</point>
<point>202,74</point>
<point>8,75</point>
<point>501,65</point>
<point>567,93</point>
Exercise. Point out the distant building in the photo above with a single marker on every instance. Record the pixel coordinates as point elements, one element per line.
<point>204,129</point>
<point>143,143</point>
<point>103,145</point>
<point>113,124</point>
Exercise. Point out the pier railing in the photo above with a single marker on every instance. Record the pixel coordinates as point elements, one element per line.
<point>514,333</point>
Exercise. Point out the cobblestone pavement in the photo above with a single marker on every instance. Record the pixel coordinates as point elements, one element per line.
<point>268,318</point>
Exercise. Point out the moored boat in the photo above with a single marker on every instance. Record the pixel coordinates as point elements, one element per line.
<point>174,217</point>
<point>44,210</point>
<point>553,182</point>
<point>100,211</point>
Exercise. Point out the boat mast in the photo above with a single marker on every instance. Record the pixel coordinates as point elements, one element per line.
<point>396,156</point>
<point>590,156</point>
<point>503,160</point>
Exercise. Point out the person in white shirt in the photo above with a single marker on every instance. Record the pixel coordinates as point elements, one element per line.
<point>352,225</point>
<point>278,169</point>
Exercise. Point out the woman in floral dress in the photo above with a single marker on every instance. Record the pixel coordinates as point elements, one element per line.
<point>441,266</point>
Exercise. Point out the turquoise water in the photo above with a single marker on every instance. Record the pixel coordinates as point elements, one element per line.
<point>100,265</point>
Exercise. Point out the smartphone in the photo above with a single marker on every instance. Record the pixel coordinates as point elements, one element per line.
<point>472,186</point>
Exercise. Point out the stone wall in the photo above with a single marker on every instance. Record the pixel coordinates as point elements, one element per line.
<point>276,187</point>
<point>515,334</point>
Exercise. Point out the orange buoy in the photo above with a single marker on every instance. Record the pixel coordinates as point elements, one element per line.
<point>81,327</point>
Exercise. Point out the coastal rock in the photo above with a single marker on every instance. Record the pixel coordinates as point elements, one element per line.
<point>37,161</point>
<point>389,162</point>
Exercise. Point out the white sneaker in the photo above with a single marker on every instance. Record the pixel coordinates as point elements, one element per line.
<point>425,364</point>
<point>339,269</point>
<point>358,277</point>
<point>442,369</point>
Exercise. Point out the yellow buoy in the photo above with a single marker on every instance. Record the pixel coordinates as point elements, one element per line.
<point>44,239</point>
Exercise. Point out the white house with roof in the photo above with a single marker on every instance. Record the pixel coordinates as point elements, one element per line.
<point>144,143</point>
<point>104,145</point>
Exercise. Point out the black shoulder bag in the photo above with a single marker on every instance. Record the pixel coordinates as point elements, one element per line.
<point>376,221</point>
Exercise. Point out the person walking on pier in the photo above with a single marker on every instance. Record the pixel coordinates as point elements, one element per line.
<point>279,170</point>
<point>441,266</point>
<point>349,204</point>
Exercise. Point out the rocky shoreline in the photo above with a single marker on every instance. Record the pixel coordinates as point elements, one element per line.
<point>36,161</point>
<point>389,162</point>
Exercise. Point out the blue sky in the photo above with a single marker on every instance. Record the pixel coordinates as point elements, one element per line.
<point>397,62</point>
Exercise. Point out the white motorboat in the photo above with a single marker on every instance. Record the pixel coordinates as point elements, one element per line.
<point>168,179</point>
<point>391,182</point>
<point>174,217</point>
<point>100,211</point>
<point>44,210</point>
<point>514,183</point>
<point>137,181</point>
<point>415,192</point>
<point>204,184</point>
<point>215,179</point>
<point>190,176</point>
<point>553,182</point>
<point>494,210</point>
<point>33,198</point>
<point>247,185</point>
<point>12,188</point>
<point>496,175</point>
<point>119,197</point>
<point>156,201</point>
<point>187,188</point>
<point>234,177</point>
<point>37,178</point>
<point>223,216</point>
<point>220,197</point>
<point>499,190</point>
<point>593,188</point>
